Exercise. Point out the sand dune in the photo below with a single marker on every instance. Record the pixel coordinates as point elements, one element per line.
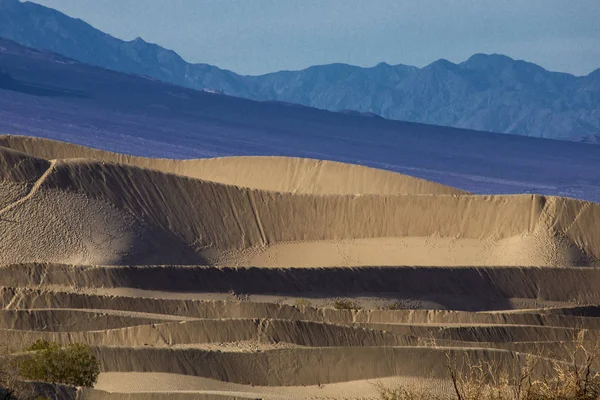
<point>284,174</point>
<point>214,276</point>
<point>138,215</point>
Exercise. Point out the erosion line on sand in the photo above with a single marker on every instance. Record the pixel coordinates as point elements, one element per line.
<point>32,191</point>
<point>257,219</point>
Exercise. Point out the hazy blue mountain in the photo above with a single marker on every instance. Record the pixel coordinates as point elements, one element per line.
<point>486,92</point>
<point>48,95</point>
<point>39,27</point>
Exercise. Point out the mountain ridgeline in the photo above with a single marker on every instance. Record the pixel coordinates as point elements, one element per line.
<point>486,92</point>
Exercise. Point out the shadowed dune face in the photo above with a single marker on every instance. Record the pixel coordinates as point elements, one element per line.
<point>171,270</point>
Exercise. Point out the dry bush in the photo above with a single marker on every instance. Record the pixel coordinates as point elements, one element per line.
<point>478,380</point>
<point>11,385</point>
<point>577,378</point>
<point>344,304</point>
<point>405,393</point>
<point>300,303</point>
<point>238,296</point>
<point>404,304</point>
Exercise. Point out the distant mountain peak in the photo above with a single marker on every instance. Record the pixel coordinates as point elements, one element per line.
<point>487,56</point>
<point>140,43</point>
<point>383,64</point>
<point>481,60</point>
<point>440,65</point>
<point>495,63</point>
<point>442,62</point>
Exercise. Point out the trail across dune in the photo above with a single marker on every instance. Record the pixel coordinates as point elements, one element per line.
<point>273,277</point>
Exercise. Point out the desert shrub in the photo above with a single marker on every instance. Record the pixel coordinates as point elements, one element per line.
<point>345,304</point>
<point>74,364</point>
<point>477,380</point>
<point>405,393</point>
<point>577,378</point>
<point>404,304</point>
<point>302,303</point>
<point>10,388</point>
<point>239,296</point>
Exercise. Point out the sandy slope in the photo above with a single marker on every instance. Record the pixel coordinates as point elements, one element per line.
<point>147,382</point>
<point>187,274</point>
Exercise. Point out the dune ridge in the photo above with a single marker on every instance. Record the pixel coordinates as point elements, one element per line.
<point>285,174</point>
<point>222,275</point>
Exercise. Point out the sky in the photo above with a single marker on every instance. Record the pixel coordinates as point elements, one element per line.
<point>261,36</point>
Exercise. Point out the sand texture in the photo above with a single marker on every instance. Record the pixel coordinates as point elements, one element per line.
<point>218,278</point>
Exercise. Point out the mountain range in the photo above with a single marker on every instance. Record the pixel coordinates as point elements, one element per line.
<point>48,95</point>
<point>486,92</point>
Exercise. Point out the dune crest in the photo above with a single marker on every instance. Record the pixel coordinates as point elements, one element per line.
<point>284,174</point>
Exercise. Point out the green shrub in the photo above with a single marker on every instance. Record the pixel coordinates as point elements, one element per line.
<point>73,365</point>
